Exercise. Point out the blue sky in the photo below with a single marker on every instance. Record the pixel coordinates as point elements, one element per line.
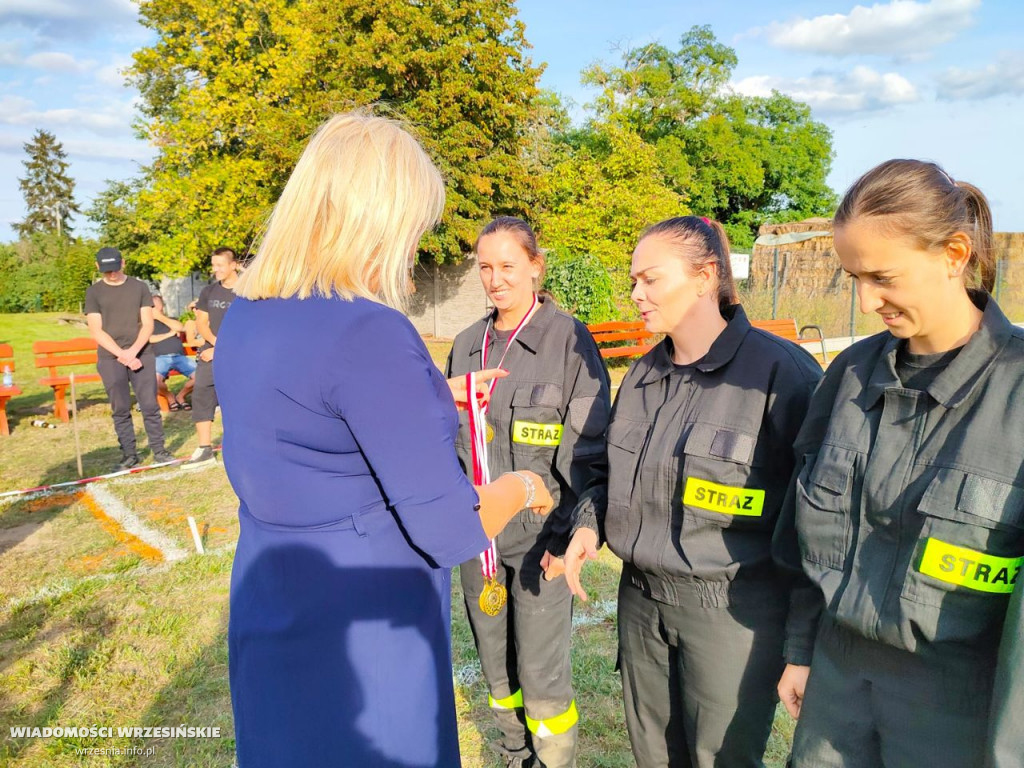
<point>935,79</point>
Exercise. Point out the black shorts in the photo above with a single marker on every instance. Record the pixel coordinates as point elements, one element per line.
<point>204,396</point>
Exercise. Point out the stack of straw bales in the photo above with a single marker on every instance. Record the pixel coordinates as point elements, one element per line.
<point>812,268</point>
<point>809,267</point>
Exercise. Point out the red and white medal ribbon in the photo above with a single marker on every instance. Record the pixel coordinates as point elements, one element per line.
<point>508,346</point>
<point>478,429</point>
<point>481,472</point>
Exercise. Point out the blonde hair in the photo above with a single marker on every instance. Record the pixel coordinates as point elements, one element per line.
<point>350,217</point>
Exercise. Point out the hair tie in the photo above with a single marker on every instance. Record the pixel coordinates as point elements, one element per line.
<point>706,220</point>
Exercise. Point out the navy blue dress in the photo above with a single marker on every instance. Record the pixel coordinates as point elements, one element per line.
<point>339,440</point>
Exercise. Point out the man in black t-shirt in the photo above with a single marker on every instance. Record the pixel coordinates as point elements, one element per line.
<point>213,303</point>
<point>119,312</point>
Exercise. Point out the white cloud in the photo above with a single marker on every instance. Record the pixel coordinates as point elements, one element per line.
<point>112,118</point>
<point>1004,77</point>
<point>830,93</point>
<point>87,150</point>
<point>109,150</point>
<point>67,18</point>
<point>12,106</point>
<point>56,61</point>
<point>896,28</point>
<point>112,75</point>
<point>10,53</point>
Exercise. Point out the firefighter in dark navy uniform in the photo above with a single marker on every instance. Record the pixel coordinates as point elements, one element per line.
<point>908,502</point>
<point>548,415</point>
<point>699,456</point>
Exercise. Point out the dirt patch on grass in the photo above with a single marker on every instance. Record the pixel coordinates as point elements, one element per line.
<point>23,534</point>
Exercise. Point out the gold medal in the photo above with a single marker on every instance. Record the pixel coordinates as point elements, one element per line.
<point>493,598</point>
<point>490,433</point>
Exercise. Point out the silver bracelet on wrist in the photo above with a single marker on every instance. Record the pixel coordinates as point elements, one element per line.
<point>531,489</point>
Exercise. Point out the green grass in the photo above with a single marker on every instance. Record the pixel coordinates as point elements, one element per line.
<point>91,631</point>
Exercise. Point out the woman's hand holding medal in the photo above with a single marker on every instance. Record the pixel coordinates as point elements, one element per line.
<point>483,387</point>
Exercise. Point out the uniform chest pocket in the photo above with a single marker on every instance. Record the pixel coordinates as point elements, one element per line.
<point>535,430</point>
<point>536,416</point>
<point>625,443</point>
<point>721,479</point>
<point>971,541</point>
<point>824,500</point>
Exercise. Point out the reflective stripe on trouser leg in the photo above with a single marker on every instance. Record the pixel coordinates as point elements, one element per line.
<point>515,701</point>
<point>553,726</point>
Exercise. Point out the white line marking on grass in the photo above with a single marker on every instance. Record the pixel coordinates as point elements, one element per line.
<point>596,613</point>
<point>128,520</point>
<point>467,674</point>
<point>57,589</point>
<point>149,477</point>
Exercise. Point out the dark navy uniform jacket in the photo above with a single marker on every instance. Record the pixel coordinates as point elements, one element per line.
<point>548,415</point>
<point>698,460</point>
<point>909,505</point>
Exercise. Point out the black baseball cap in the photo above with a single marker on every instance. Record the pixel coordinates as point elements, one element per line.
<point>109,259</point>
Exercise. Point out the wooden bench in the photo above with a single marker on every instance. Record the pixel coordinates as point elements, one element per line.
<point>54,355</point>
<point>786,328</point>
<point>622,331</point>
<point>6,393</point>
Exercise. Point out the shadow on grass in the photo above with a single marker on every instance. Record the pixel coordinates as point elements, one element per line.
<point>23,409</point>
<point>602,735</point>
<point>337,666</point>
<point>72,660</point>
<point>198,696</point>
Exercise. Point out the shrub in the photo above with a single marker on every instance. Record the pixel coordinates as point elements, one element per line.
<point>581,285</point>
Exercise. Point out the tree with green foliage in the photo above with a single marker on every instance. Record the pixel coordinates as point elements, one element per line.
<point>607,187</point>
<point>46,272</point>
<point>232,91</point>
<point>741,160</point>
<point>48,190</point>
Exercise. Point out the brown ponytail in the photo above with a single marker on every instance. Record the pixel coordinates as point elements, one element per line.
<point>701,241</point>
<point>921,201</point>
<point>983,258</point>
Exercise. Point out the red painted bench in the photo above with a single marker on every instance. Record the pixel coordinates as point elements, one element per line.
<point>616,331</point>
<point>54,355</point>
<point>786,328</point>
<point>6,393</point>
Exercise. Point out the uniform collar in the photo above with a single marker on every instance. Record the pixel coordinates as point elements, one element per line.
<point>532,333</point>
<point>723,349</point>
<point>964,373</point>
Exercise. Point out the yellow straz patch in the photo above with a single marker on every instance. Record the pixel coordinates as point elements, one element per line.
<point>536,434</point>
<point>723,498</point>
<point>967,568</point>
